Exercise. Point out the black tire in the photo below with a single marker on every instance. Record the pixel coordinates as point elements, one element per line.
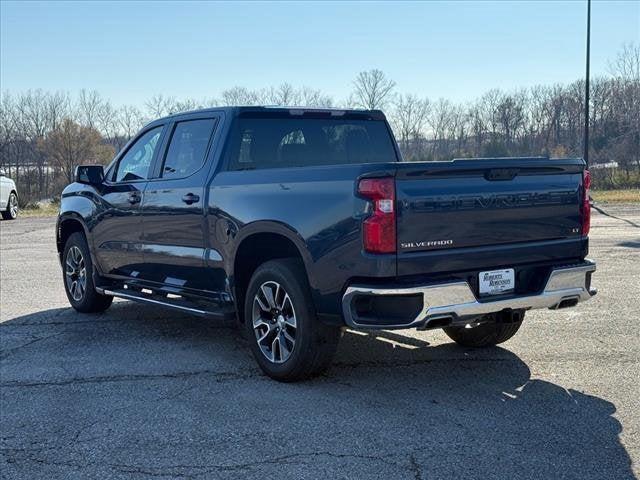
<point>11,212</point>
<point>483,335</point>
<point>315,343</point>
<point>86,300</point>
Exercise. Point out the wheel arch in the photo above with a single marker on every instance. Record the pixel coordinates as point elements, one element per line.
<point>69,223</point>
<point>258,244</point>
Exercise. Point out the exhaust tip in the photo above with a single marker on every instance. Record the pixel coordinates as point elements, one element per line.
<point>566,303</point>
<point>438,322</point>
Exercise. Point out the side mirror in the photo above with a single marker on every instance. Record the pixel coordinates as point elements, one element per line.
<point>2,174</point>
<point>89,174</point>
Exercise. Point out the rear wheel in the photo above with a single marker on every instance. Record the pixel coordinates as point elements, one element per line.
<point>78,277</point>
<point>11,212</point>
<point>484,334</point>
<point>286,338</point>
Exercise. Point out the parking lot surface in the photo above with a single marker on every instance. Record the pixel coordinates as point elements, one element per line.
<point>141,392</point>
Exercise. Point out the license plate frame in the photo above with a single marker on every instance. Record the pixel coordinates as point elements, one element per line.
<point>496,282</point>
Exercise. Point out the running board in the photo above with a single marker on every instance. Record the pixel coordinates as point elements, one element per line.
<point>181,304</point>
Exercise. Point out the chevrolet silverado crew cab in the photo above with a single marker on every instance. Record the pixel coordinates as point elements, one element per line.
<point>301,222</point>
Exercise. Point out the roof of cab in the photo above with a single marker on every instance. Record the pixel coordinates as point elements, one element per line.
<point>285,111</point>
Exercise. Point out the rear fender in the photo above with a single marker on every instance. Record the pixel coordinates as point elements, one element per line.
<point>276,228</point>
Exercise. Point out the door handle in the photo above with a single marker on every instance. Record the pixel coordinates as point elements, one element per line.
<point>134,197</point>
<point>190,198</point>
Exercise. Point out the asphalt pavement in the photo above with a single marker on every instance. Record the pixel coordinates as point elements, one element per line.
<point>142,392</point>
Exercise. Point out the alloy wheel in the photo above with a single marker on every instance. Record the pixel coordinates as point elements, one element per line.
<point>274,322</point>
<point>76,273</point>
<point>13,206</point>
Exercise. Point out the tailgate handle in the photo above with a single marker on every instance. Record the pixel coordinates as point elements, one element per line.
<point>501,174</point>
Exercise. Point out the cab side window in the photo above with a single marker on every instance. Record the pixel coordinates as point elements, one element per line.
<point>187,148</point>
<point>135,164</point>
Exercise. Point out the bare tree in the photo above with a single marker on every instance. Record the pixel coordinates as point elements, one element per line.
<point>409,117</point>
<point>72,144</point>
<point>439,120</point>
<point>9,133</point>
<point>623,132</point>
<point>372,89</point>
<point>160,106</point>
<point>284,94</point>
<point>186,105</point>
<point>626,65</point>
<point>510,116</point>
<point>89,104</point>
<point>240,96</point>
<point>315,98</point>
<point>459,130</point>
<point>107,124</point>
<point>57,107</point>
<point>33,122</point>
<point>130,120</point>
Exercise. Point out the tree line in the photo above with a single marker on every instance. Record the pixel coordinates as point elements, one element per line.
<point>43,135</point>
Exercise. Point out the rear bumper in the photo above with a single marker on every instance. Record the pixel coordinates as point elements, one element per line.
<point>449,303</point>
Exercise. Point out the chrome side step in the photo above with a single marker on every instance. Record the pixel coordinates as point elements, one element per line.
<point>181,304</point>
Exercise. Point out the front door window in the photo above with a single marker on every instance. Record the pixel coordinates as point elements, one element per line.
<point>135,164</point>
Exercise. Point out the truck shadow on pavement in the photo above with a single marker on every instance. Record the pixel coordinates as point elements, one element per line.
<point>139,391</point>
<point>630,244</point>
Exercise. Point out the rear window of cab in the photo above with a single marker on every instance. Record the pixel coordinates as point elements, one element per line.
<point>261,143</point>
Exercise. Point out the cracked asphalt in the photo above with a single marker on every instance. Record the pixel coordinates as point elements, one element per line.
<point>141,392</point>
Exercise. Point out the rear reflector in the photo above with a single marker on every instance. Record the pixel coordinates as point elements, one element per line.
<point>379,229</point>
<point>586,206</point>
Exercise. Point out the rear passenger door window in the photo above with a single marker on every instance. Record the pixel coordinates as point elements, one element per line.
<point>187,148</point>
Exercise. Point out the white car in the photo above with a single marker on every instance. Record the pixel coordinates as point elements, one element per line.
<point>8,197</point>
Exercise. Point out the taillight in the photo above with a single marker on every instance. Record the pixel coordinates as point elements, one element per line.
<point>379,229</point>
<point>586,206</point>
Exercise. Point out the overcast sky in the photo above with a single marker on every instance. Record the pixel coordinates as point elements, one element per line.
<point>457,50</point>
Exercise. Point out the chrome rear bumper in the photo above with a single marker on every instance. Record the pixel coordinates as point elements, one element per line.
<point>455,302</point>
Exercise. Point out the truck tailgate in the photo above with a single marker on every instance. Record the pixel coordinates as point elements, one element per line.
<point>478,203</point>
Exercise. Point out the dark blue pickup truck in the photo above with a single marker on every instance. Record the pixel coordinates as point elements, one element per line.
<point>301,222</point>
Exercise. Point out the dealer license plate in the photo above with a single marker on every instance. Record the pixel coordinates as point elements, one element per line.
<point>496,282</point>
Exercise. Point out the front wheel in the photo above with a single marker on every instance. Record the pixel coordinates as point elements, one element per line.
<point>286,338</point>
<point>11,212</point>
<point>485,334</point>
<point>78,277</point>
